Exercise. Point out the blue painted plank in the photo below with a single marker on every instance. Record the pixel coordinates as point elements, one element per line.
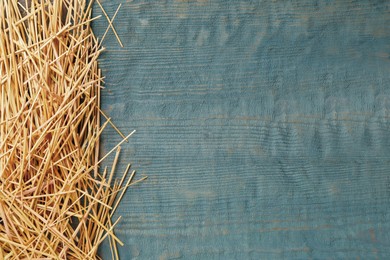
<point>263,126</point>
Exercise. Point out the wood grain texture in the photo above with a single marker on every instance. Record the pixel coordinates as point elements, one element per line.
<point>263,126</point>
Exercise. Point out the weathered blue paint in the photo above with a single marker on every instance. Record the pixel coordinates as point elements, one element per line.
<point>263,127</point>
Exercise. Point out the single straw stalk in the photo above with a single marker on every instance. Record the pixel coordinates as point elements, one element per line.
<point>54,202</point>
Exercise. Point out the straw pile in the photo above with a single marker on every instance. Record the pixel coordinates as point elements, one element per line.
<point>54,201</point>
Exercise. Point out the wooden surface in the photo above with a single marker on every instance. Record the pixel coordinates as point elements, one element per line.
<point>263,127</point>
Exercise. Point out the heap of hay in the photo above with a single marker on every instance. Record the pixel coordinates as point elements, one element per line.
<point>54,202</point>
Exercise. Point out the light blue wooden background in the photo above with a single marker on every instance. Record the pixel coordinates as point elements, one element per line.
<point>263,127</point>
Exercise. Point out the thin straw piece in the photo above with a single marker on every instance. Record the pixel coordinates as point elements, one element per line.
<point>110,22</point>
